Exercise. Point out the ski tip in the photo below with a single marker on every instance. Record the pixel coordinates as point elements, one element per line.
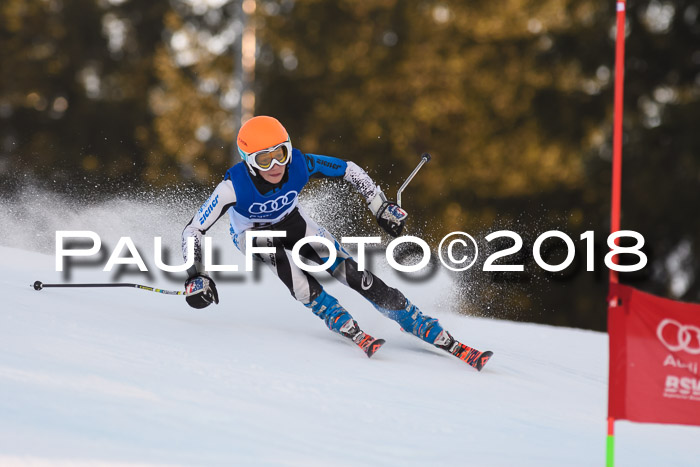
<point>483,359</point>
<point>374,346</point>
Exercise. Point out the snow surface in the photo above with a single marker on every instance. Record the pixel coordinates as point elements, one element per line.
<point>107,377</point>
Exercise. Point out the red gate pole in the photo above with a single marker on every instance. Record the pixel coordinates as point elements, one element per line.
<point>616,179</point>
<point>617,127</point>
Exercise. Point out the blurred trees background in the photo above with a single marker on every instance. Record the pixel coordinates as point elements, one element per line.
<point>512,98</point>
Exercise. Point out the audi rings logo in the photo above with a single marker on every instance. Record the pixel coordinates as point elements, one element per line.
<point>274,205</point>
<point>676,336</point>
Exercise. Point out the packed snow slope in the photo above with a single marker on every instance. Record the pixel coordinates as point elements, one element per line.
<point>128,377</point>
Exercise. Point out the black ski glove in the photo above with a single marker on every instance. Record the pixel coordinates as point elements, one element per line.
<point>389,215</point>
<point>200,291</point>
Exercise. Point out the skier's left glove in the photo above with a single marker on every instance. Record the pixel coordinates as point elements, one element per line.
<point>200,291</point>
<point>389,215</point>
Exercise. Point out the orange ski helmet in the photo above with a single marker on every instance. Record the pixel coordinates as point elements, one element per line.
<point>260,136</point>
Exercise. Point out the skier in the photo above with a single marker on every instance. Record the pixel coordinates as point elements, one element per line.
<point>261,193</point>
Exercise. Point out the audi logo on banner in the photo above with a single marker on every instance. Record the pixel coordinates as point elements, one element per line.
<point>273,205</point>
<point>676,336</point>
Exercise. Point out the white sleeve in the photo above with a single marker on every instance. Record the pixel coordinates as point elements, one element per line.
<point>361,181</point>
<point>223,197</point>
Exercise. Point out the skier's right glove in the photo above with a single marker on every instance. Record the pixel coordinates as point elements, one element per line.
<point>200,291</point>
<point>389,215</point>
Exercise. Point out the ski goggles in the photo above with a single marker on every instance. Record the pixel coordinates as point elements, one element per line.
<point>265,159</point>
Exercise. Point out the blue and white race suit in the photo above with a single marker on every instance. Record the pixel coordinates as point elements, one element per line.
<point>276,209</point>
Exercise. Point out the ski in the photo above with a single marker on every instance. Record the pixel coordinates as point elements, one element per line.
<point>470,355</point>
<point>367,343</point>
<point>475,358</point>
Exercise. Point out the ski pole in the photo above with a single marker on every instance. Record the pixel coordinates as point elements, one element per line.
<point>38,285</point>
<point>425,157</point>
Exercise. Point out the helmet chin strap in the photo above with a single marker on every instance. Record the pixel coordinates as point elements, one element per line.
<point>251,169</point>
